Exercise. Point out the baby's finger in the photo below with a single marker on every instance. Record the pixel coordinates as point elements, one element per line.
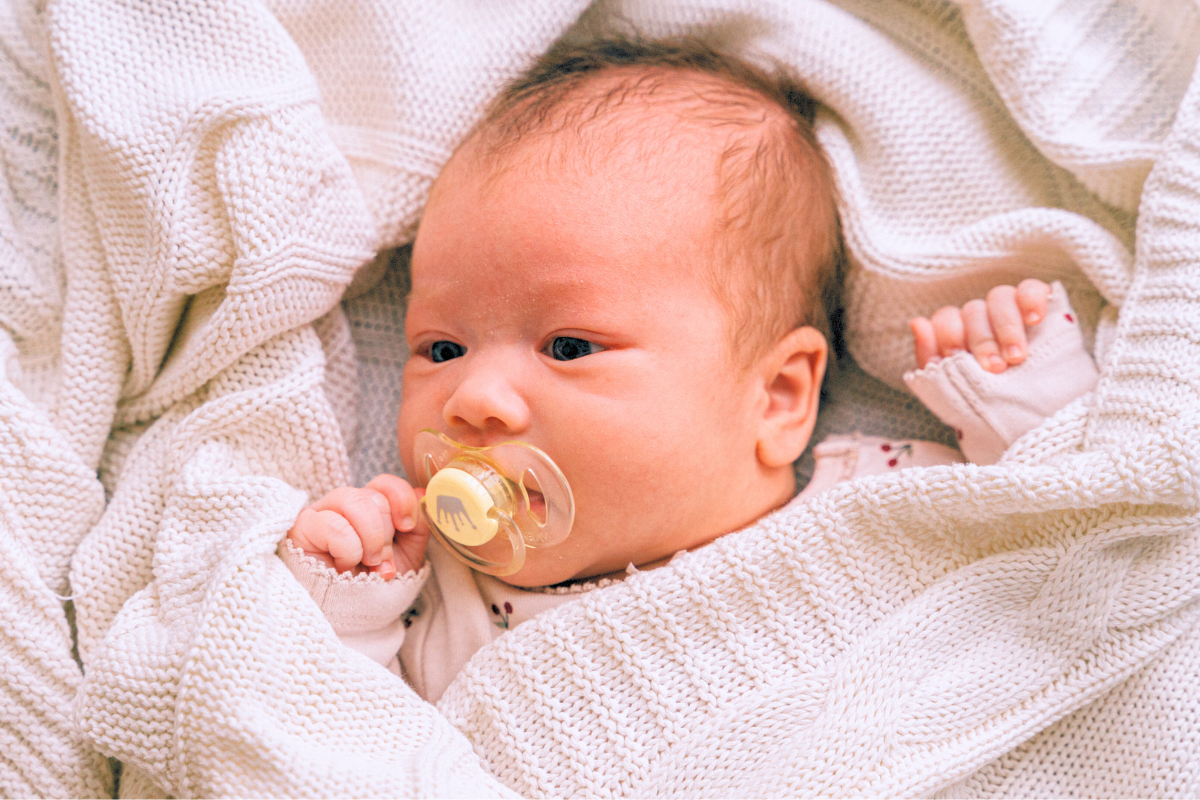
<point>402,500</point>
<point>924,340</point>
<point>979,337</point>
<point>367,512</point>
<point>303,531</point>
<point>948,326</point>
<point>1007,325</point>
<point>1032,296</point>
<point>410,547</point>
<point>333,534</point>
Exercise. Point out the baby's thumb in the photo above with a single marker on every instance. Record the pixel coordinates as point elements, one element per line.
<point>409,547</point>
<point>385,569</point>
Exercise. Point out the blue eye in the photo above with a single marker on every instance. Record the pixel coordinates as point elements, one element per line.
<point>442,350</point>
<point>569,348</point>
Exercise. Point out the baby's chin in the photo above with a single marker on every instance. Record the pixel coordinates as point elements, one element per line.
<point>544,567</point>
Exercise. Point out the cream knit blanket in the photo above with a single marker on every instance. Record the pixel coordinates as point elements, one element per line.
<point>187,189</point>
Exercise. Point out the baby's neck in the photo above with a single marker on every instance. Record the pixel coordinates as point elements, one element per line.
<point>617,575</point>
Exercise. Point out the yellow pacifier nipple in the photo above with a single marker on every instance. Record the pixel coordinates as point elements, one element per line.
<point>474,494</point>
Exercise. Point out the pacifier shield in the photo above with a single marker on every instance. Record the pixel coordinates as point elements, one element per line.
<point>459,504</point>
<point>474,494</point>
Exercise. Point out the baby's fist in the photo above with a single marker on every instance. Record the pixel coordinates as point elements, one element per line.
<point>993,329</point>
<point>371,529</point>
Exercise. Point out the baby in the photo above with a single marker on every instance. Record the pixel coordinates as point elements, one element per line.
<point>627,265</point>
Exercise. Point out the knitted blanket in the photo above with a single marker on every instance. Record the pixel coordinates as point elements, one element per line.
<point>187,190</point>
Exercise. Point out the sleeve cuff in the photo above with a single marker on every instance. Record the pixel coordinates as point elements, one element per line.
<point>989,412</point>
<point>353,604</point>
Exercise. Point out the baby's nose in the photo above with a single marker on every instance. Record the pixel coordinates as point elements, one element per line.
<point>487,401</point>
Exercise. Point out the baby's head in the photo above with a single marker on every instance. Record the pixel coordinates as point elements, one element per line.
<point>627,265</point>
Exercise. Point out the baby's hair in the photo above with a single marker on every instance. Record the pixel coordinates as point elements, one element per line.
<point>777,266</point>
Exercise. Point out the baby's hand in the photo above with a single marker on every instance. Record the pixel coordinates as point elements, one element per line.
<point>374,529</point>
<point>993,330</point>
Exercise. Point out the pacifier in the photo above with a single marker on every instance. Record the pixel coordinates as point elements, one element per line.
<point>475,494</point>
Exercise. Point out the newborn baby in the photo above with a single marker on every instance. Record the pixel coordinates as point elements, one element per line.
<point>626,265</point>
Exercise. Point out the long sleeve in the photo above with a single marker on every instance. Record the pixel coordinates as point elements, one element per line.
<point>365,611</point>
<point>990,411</point>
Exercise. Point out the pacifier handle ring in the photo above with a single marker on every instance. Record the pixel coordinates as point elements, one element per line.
<point>496,568</point>
<point>523,462</point>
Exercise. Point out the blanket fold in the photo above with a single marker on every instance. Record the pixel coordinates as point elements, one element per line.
<point>178,383</point>
<point>49,498</point>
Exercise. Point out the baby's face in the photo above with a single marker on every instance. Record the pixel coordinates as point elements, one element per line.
<point>567,308</point>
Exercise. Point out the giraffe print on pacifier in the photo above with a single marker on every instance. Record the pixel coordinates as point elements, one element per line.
<point>487,505</point>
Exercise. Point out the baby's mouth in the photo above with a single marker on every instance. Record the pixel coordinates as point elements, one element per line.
<point>537,505</point>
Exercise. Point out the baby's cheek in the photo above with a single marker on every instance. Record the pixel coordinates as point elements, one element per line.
<point>419,409</point>
<point>615,481</point>
<point>652,491</point>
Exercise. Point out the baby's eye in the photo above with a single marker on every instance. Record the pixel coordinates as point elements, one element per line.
<point>443,350</point>
<point>569,348</point>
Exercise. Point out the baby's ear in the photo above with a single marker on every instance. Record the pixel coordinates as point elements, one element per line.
<point>791,373</point>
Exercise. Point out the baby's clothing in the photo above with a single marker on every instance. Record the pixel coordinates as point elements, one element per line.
<point>989,412</point>
<point>426,625</point>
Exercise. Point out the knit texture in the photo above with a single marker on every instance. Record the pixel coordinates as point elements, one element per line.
<point>189,188</point>
<point>49,497</point>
